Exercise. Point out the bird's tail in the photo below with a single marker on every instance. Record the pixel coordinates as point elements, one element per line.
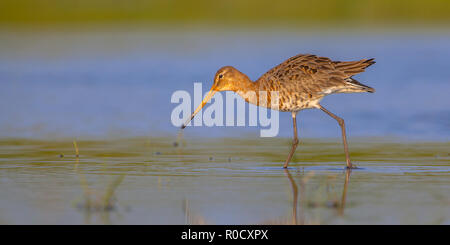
<point>351,68</point>
<point>353,86</point>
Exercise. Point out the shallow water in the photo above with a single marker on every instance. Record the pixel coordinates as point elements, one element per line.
<point>222,181</point>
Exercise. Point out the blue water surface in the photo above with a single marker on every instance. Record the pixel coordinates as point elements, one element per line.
<point>118,82</point>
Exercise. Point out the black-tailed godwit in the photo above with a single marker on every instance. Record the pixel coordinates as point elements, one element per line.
<point>301,82</point>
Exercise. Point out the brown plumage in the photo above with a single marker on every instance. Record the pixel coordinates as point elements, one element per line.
<point>300,82</point>
<point>303,80</point>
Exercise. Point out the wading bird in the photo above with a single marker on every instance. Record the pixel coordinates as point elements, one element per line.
<point>301,82</point>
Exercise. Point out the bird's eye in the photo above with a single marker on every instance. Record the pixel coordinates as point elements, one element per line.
<point>221,75</point>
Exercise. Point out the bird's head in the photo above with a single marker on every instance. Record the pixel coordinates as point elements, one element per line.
<point>227,78</point>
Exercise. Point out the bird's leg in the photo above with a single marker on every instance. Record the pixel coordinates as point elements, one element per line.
<point>344,137</point>
<point>295,142</point>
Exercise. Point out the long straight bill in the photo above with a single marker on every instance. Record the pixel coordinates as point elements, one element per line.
<point>205,100</point>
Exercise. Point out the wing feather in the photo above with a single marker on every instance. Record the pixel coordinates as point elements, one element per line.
<point>313,75</point>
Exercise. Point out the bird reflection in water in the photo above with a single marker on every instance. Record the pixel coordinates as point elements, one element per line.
<point>298,209</point>
<point>298,216</point>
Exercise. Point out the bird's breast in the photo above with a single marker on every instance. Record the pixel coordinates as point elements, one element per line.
<point>280,100</point>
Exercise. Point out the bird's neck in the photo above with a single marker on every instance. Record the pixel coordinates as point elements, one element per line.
<point>248,90</point>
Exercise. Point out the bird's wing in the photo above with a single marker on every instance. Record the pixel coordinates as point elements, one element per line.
<point>312,74</point>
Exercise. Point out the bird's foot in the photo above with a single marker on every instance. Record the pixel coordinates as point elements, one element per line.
<point>351,166</point>
<point>285,165</point>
